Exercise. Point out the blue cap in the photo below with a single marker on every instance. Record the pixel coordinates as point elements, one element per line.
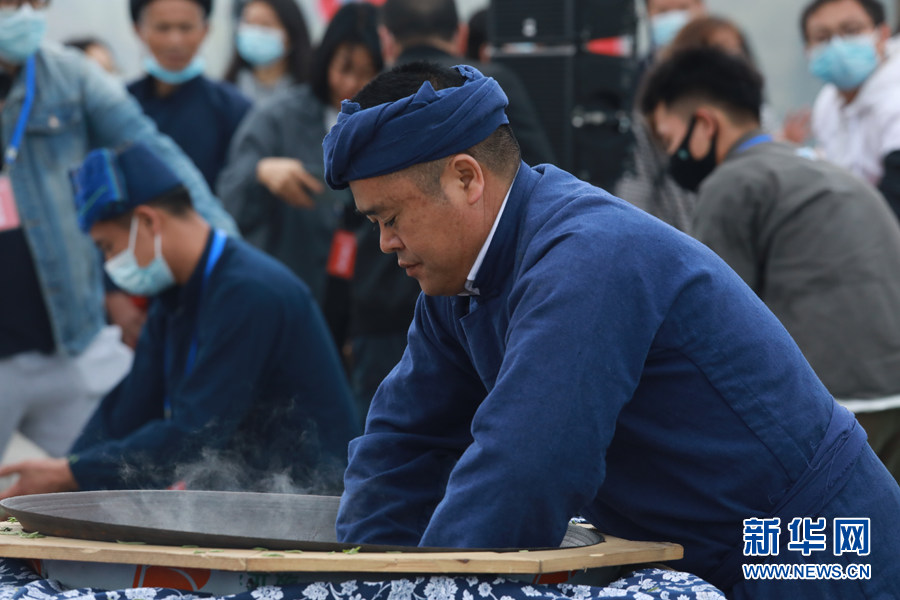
<point>109,183</point>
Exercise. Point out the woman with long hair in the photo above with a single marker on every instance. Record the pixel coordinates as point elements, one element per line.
<point>274,183</point>
<point>272,48</point>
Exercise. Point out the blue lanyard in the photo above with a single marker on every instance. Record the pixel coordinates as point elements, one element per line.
<point>12,153</point>
<point>756,141</point>
<point>215,252</point>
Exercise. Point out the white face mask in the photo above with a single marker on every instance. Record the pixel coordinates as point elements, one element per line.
<point>125,272</point>
<point>664,27</point>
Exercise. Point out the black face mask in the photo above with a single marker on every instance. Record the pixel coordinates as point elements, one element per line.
<point>687,171</point>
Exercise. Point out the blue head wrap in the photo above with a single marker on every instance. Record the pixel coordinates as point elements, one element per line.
<point>109,184</point>
<point>422,128</point>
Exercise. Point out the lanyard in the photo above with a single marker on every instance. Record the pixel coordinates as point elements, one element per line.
<point>215,252</point>
<point>756,141</point>
<point>12,152</point>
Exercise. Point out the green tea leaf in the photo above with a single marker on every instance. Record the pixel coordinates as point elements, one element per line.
<point>274,555</point>
<point>31,536</point>
<point>294,551</point>
<point>12,520</point>
<point>393,552</point>
<point>261,549</point>
<point>131,543</point>
<point>351,550</point>
<point>190,546</point>
<point>217,551</point>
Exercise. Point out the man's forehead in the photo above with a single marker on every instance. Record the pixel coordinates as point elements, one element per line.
<point>840,10</point>
<point>378,194</point>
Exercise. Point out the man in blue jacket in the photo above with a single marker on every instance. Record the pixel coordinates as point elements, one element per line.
<point>56,105</point>
<point>572,354</point>
<point>235,365</point>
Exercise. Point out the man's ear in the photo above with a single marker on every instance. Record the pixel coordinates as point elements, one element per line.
<point>465,175</point>
<point>461,39</point>
<point>151,217</point>
<point>390,49</point>
<point>883,33</point>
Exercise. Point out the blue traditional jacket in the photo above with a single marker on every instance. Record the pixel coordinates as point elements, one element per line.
<point>266,394</point>
<point>612,367</point>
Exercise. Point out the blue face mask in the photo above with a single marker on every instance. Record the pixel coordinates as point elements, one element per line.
<point>845,61</point>
<point>665,26</point>
<point>21,32</point>
<point>125,272</point>
<point>194,69</point>
<point>260,45</point>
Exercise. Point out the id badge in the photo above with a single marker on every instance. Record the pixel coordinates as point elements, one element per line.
<point>342,259</point>
<point>9,214</point>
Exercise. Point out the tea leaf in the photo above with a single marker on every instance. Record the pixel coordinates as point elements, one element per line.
<point>352,550</point>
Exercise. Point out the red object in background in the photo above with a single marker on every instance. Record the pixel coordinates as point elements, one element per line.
<point>188,580</point>
<point>178,486</point>
<point>141,302</point>
<point>342,259</point>
<point>329,7</point>
<point>614,46</point>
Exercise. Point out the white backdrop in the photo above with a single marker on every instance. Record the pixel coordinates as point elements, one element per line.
<point>771,25</point>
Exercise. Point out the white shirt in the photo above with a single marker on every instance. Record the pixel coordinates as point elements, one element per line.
<point>471,290</point>
<point>857,136</point>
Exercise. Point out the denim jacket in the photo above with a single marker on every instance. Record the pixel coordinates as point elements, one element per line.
<point>77,108</point>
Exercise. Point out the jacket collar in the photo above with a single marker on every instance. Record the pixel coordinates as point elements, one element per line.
<point>186,297</point>
<point>500,258</point>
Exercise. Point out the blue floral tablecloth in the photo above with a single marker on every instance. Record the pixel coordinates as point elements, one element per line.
<point>19,582</point>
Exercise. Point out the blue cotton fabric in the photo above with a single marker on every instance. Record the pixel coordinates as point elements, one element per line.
<point>425,127</point>
<point>109,183</point>
<point>267,394</point>
<point>19,582</point>
<point>611,367</point>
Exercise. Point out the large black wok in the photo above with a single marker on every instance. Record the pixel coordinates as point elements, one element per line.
<point>208,519</point>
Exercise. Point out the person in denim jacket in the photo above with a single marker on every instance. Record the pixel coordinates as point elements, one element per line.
<point>57,358</point>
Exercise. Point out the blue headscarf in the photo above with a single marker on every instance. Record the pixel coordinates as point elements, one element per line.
<point>108,183</point>
<point>422,128</point>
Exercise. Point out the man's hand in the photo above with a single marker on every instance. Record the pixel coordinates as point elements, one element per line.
<point>42,476</point>
<point>797,126</point>
<point>123,312</point>
<point>287,179</point>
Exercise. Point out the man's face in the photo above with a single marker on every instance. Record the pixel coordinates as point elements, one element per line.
<point>845,18</point>
<point>657,7</point>
<point>671,126</point>
<point>436,239</point>
<point>112,237</point>
<point>173,31</point>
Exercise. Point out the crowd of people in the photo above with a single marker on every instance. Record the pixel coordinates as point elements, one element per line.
<point>195,268</point>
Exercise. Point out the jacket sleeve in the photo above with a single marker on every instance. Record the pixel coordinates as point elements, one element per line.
<point>243,196</point>
<point>114,118</point>
<point>575,351</point>
<point>418,426</point>
<point>207,406</point>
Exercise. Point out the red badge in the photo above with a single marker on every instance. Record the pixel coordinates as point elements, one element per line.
<point>342,260</point>
<point>9,214</point>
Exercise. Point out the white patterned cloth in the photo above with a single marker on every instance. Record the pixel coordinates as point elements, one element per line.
<point>19,582</point>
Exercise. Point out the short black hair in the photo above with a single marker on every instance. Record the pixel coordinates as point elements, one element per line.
<point>873,8</point>
<point>499,152</point>
<point>137,8</point>
<point>410,20</point>
<point>705,74</point>
<point>83,43</point>
<point>176,201</point>
<point>355,24</point>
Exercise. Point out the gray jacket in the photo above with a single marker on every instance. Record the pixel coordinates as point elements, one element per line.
<point>822,250</point>
<point>290,125</point>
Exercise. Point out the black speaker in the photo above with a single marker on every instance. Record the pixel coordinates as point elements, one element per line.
<point>559,21</point>
<point>584,103</point>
